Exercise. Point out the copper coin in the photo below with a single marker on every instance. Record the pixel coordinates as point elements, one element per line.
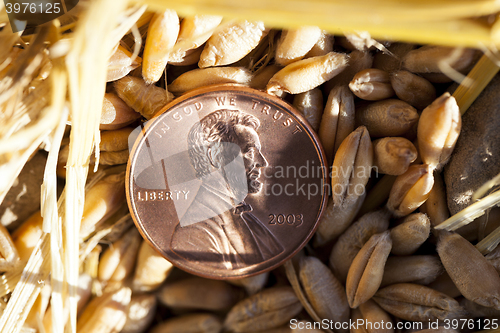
<point>226,182</point>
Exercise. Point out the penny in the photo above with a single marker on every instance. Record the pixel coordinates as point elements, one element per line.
<point>226,181</point>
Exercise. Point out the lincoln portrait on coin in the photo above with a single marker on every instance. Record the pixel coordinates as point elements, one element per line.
<point>218,228</point>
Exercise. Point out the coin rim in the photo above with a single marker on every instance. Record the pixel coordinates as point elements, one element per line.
<point>239,88</point>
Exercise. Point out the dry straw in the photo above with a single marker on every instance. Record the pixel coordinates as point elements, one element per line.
<point>444,22</point>
<point>83,70</point>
